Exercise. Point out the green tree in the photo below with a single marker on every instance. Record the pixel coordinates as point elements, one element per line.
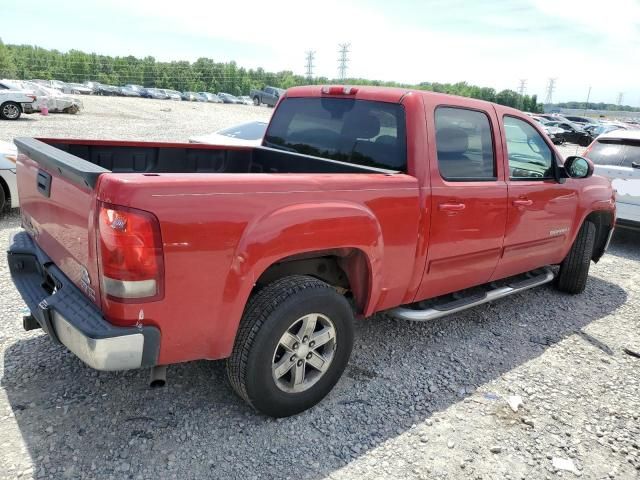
<point>7,65</point>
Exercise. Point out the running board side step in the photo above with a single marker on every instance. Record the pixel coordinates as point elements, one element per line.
<point>436,311</point>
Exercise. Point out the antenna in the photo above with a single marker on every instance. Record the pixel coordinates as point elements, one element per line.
<point>522,89</point>
<point>310,54</point>
<point>551,86</point>
<point>343,60</point>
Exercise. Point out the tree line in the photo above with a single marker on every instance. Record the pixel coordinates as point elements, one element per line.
<point>204,75</point>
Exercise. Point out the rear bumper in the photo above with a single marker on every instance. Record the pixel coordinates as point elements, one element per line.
<point>27,107</point>
<point>70,318</point>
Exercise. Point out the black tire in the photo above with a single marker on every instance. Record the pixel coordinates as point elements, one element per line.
<point>10,111</point>
<point>73,109</point>
<point>574,269</point>
<point>3,200</point>
<point>269,314</point>
<point>256,101</point>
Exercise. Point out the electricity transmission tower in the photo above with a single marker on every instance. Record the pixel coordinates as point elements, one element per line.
<point>551,86</point>
<point>523,87</point>
<point>309,65</point>
<point>620,97</point>
<point>343,60</point>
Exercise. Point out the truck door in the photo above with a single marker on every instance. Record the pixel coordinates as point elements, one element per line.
<point>541,210</point>
<point>469,198</point>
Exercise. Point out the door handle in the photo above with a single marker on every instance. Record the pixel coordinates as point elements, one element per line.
<point>523,202</point>
<point>452,207</point>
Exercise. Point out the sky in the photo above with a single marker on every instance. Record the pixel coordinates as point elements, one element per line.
<point>493,43</point>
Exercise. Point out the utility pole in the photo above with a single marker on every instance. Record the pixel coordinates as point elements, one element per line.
<point>343,60</point>
<point>523,87</point>
<point>586,105</point>
<point>309,65</point>
<point>620,97</point>
<point>551,86</point>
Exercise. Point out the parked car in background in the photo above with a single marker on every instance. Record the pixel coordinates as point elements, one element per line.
<point>228,98</point>
<point>616,155</point>
<point>157,93</point>
<point>16,101</point>
<point>8,185</point>
<point>107,90</point>
<point>554,133</point>
<point>139,89</point>
<point>582,120</point>
<point>81,89</point>
<point>595,130</point>
<point>200,97</point>
<point>269,96</point>
<point>248,134</point>
<point>245,99</point>
<point>189,96</point>
<point>128,91</point>
<point>172,94</point>
<point>56,85</point>
<point>211,97</point>
<point>54,100</point>
<point>572,132</point>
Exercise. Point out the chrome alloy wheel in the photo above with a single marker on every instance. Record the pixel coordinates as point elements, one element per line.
<point>304,353</point>
<point>11,111</point>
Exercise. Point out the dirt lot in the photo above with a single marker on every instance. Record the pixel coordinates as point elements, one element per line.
<point>418,401</point>
<point>134,118</point>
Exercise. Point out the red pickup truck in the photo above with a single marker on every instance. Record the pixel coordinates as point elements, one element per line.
<point>360,200</point>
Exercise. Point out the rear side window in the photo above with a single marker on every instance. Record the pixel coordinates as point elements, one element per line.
<point>464,144</point>
<point>354,131</point>
<point>617,153</point>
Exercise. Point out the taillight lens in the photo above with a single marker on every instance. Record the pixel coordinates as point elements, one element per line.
<point>327,90</point>
<point>130,257</point>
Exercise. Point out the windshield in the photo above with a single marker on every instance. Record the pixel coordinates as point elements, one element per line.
<point>246,131</point>
<point>355,131</point>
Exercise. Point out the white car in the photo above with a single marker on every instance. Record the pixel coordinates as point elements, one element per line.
<point>616,155</point>
<point>8,185</point>
<point>245,134</point>
<point>14,102</point>
<point>53,99</point>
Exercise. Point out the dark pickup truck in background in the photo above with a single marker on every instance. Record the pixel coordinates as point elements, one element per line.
<point>269,96</point>
<point>359,200</point>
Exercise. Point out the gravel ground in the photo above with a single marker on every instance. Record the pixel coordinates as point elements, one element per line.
<point>135,118</point>
<point>418,401</point>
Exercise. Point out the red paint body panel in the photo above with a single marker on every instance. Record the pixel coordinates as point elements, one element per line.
<point>221,231</point>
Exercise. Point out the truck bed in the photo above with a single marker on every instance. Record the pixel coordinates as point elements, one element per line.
<point>99,157</point>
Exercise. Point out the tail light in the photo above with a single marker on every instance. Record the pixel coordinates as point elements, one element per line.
<point>130,254</point>
<point>327,90</point>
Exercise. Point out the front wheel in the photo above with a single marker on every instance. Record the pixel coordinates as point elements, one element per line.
<point>256,101</point>
<point>293,344</point>
<point>574,269</point>
<point>10,111</point>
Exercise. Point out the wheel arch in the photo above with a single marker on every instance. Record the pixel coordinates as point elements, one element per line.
<point>603,220</point>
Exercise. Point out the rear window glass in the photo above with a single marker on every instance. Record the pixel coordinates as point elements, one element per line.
<point>616,153</point>
<point>361,132</point>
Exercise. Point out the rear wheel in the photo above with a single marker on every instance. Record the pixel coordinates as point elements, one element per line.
<point>256,101</point>
<point>292,346</point>
<point>574,269</point>
<point>10,111</point>
<point>3,200</point>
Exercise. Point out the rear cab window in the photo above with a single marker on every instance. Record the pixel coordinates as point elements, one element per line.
<point>361,132</point>
<point>615,152</point>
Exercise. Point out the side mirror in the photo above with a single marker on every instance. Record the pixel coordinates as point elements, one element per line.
<point>578,167</point>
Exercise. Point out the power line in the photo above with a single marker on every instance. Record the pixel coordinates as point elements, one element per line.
<point>523,87</point>
<point>551,86</point>
<point>309,65</point>
<point>343,60</point>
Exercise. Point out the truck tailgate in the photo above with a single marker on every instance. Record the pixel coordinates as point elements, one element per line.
<point>58,203</point>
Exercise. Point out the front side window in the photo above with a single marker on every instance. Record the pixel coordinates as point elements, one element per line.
<point>530,158</point>
<point>464,142</point>
<point>361,132</point>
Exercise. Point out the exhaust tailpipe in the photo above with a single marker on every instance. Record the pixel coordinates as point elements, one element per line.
<point>158,376</point>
